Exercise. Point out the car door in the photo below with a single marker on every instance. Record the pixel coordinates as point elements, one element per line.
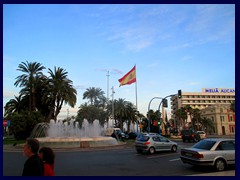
<point>226,149</point>
<point>157,143</point>
<point>229,151</point>
<point>165,143</point>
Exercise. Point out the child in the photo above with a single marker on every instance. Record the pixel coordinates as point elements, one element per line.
<point>48,158</point>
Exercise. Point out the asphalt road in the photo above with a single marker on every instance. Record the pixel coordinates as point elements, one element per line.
<point>120,161</point>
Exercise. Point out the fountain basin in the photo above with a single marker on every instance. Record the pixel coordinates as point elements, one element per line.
<point>84,142</point>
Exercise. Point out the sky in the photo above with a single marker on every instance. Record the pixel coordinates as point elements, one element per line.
<point>181,46</point>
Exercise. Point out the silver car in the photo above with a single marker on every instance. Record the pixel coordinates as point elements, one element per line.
<point>218,152</point>
<point>153,143</point>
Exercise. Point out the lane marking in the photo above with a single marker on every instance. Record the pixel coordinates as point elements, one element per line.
<point>174,160</point>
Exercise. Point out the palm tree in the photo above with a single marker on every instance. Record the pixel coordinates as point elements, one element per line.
<point>93,94</point>
<point>196,113</point>
<point>60,91</point>
<point>131,115</point>
<point>182,116</point>
<point>208,124</point>
<point>29,80</point>
<point>120,111</point>
<point>15,105</point>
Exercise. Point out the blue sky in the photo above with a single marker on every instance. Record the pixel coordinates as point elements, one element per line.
<point>181,46</point>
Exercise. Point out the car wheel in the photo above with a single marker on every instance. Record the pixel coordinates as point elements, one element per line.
<point>151,150</point>
<point>174,148</point>
<point>219,165</point>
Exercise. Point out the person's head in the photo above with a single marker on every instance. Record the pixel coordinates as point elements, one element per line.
<point>31,147</point>
<point>47,155</point>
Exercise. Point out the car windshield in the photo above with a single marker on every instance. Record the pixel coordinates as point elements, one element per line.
<point>204,144</point>
<point>200,132</point>
<point>144,138</point>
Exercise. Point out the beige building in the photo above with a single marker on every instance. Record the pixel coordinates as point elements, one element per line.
<point>202,100</point>
<point>222,117</point>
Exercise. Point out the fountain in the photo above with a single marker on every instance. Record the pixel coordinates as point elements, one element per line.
<point>57,134</point>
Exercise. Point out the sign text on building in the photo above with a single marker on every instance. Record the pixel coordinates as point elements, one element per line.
<point>218,90</point>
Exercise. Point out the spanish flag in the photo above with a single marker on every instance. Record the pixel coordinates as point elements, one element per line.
<point>128,78</point>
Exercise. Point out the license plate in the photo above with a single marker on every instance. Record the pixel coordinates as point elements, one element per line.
<point>188,154</point>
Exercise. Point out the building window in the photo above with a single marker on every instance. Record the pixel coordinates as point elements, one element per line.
<point>212,118</point>
<point>231,119</point>
<point>221,110</point>
<point>232,130</point>
<point>222,118</point>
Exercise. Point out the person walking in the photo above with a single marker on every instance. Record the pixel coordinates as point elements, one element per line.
<point>48,157</point>
<point>34,164</point>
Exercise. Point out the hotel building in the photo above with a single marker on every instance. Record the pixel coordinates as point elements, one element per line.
<point>201,100</point>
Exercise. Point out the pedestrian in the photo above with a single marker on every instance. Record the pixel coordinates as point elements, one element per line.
<point>34,164</point>
<point>48,157</point>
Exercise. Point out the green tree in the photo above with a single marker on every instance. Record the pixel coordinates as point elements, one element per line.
<point>94,95</point>
<point>182,117</point>
<point>196,119</point>
<point>132,115</point>
<point>120,111</point>
<point>90,113</point>
<point>60,91</point>
<point>29,80</point>
<point>208,124</point>
<point>23,123</point>
<point>16,105</point>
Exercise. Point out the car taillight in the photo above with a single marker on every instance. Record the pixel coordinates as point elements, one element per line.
<point>146,143</point>
<point>198,156</point>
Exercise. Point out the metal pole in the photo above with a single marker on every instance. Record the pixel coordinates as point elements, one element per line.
<point>107,95</point>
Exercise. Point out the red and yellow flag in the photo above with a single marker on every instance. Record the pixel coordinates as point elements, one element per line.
<point>128,78</point>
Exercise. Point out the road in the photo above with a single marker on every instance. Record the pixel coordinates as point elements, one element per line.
<point>120,161</point>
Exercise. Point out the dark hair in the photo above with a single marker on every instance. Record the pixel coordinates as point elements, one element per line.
<point>33,144</point>
<point>48,155</point>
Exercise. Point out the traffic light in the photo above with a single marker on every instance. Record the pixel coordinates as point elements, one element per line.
<point>159,123</point>
<point>165,103</point>
<point>179,94</point>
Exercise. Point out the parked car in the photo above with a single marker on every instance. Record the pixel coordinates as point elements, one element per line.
<point>218,152</point>
<point>153,143</point>
<point>133,135</point>
<point>119,135</point>
<point>189,135</point>
<point>202,134</point>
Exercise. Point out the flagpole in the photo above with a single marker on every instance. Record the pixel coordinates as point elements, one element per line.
<point>136,95</point>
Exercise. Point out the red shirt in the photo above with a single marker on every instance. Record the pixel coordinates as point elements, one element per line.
<point>48,170</point>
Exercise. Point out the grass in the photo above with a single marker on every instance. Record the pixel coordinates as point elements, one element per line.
<point>12,141</point>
